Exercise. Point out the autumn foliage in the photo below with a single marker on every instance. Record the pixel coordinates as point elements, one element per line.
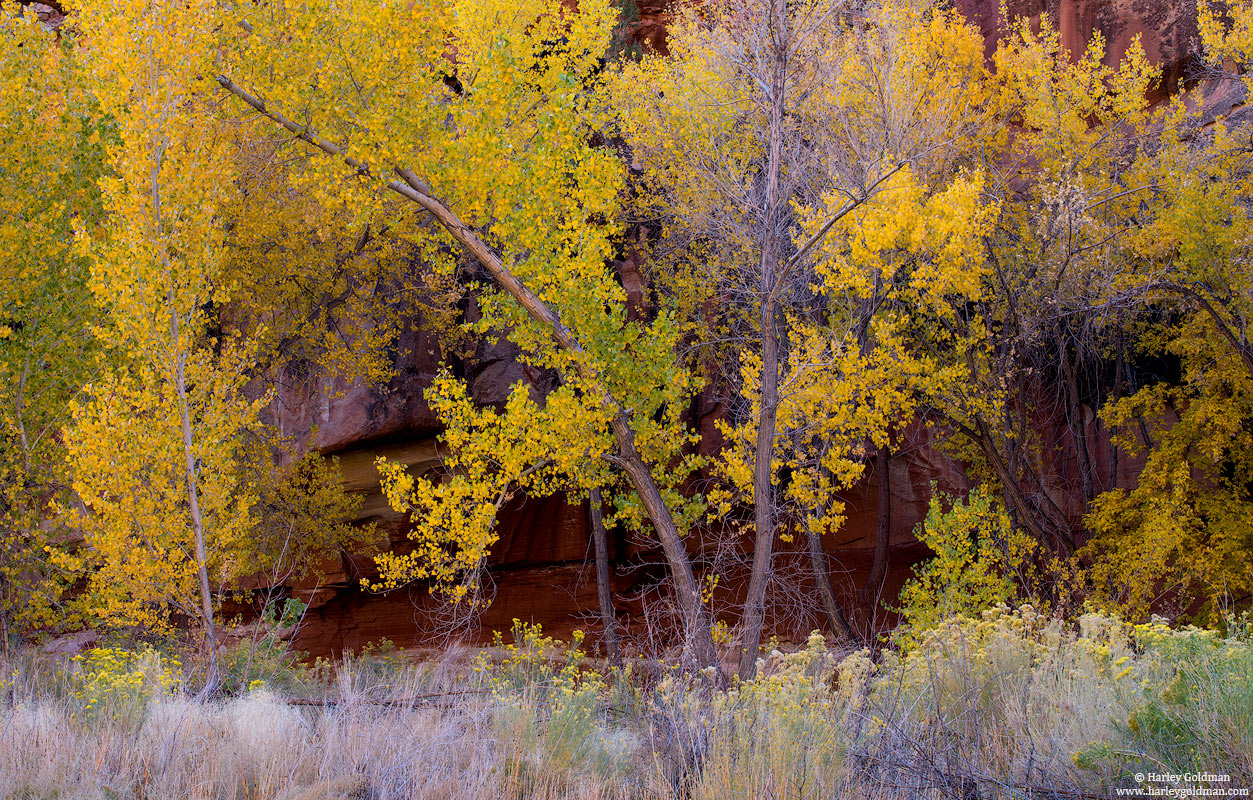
<point>854,222</point>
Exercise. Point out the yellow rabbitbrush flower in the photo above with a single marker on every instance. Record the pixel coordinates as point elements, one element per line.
<point>120,682</point>
<point>776,734</point>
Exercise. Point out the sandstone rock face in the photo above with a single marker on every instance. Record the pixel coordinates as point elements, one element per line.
<point>334,415</point>
<point>650,30</point>
<point>1166,29</point>
<point>540,569</point>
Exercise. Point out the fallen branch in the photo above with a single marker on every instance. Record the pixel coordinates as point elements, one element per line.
<point>395,701</point>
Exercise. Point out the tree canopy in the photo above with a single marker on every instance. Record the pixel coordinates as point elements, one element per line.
<point>853,222</point>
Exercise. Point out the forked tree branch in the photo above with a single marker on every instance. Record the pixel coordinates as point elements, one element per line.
<point>822,232</point>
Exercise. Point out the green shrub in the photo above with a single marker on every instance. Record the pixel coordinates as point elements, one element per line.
<point>1197,703</point>
<point>977,551</point>
<point>546,717</point>
<point>264,658</point>
<point>781,735</point>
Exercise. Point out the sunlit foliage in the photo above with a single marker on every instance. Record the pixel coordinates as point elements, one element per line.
<point>851,220</point>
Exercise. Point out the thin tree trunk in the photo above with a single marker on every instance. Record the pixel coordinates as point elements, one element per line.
<point>608,620</point>
<point>698,646</point>
<point>20,407</point>
<point>4,617</point>
<point>189,454</point>
<point>1027,512</point>
<point>21,430</point>
<point>768,407</point>
<point>763,503</point>
<point>873,587</point>
<point>197,523</point>
<point>1114,454</point>
<point>1078,426</point>
<point>826,592</point>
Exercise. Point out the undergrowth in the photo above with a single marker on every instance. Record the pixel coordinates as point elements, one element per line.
<point>1007,703</point>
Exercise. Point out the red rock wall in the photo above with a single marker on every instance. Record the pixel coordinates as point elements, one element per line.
<point>541,570</point>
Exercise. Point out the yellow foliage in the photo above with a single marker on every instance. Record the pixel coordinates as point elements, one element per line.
<point>127,456</point>
<point>942,218</point>
<point>1227,32</point>
<point>112,681</point>
<point>894,102</point>
<point>1183,531</point>
<point>492,104</point>
<point>158,435</point>
<point>979,563</point>
<point>51,153</point>
<point>491,455</point>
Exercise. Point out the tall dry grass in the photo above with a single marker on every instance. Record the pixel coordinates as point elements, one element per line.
<point>1008,706</point>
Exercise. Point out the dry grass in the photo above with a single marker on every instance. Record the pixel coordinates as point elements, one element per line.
<point>1008,706</point>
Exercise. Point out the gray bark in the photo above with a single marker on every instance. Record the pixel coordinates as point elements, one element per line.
<point>608,619</point>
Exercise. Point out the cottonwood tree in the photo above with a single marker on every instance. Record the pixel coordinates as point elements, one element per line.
<point>910,82</point>
<point>153,445</point>
<point>1063,207</point>
<point>790,151</point>
<point>323,293</point>
<point>1184,528</point>
<point>52,153</point>
<point>479,115</point>
<point>271,288</point>
<point>1117,243</point>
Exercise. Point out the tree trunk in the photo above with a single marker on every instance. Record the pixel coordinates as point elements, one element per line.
<point>768,407</point>
<point>1027,512</point>
<point>1078,425</point>
<point>4,617</point>
<point>1113,447</point>
<point>698,641</point>
<point>763,502</point>
<point>19,405</point>
<point>189,455</point>
<point>873,588</point>
<point>826,592</point>
<point>608,620</point>
<point>197,525</point>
